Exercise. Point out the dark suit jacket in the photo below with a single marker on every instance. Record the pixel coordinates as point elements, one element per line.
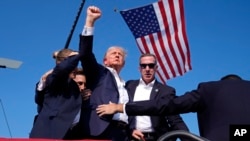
<point>39,97</point>
<point>61,103</point>
<point>218,105</point>
<point>161,124</point>
<point>102,84</point>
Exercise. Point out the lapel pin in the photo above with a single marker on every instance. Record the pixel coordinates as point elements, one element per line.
<point>156,90</point>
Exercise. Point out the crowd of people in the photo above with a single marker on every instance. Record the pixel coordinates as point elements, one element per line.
<point>94,102</point>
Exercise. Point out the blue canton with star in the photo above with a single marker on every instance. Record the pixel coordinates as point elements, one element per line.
<point>141,21</point>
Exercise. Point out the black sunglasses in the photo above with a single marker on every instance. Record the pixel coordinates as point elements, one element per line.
<point>150,65</point>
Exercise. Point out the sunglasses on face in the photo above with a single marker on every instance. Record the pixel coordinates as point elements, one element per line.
<point>150,65</point>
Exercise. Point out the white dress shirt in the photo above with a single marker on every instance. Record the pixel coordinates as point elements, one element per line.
<point>123,95</point>
<point>142,92</point>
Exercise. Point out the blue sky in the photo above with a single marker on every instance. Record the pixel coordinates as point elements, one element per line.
<point>30,30</point>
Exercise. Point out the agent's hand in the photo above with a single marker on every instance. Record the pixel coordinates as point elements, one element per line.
<point>45,75</point>
<point>93,13</point>
<point>73,53</point>
<point>138,135</point>
<point>108,109</point>
<point>86,94</point>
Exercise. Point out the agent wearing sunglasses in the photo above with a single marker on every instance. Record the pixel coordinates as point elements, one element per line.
<point>150,128</point>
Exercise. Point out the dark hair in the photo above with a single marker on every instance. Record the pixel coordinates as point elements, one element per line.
<point>79,71</point>
<point>231,77</point>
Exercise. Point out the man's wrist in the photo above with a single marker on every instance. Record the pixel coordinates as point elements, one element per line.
<point>89,22</point>
<point>120,108</point>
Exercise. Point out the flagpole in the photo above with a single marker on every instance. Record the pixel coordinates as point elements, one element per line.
<point>74,24</point>
<point>6,118</point>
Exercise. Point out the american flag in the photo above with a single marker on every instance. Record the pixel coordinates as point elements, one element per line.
<point>159,28</point>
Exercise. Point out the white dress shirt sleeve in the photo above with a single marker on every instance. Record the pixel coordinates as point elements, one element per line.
<point>88,31</point>
<point>40,85</point>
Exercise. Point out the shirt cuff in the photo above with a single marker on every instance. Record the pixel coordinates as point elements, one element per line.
<point>124,109</point>
<point>88,31</point>
<point>40,85</point>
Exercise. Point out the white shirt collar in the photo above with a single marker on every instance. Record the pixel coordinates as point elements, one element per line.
<point>151,84</point>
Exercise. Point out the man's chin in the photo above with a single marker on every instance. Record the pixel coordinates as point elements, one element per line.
<point>148,77</point>
<point>116,64</point>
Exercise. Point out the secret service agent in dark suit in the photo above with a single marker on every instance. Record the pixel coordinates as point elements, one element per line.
<point>218,104</point>
<point>160,124</point>
<point>105,84</point>
<point>40,91</point>
<point>148,88</point>
<point>62,100</point>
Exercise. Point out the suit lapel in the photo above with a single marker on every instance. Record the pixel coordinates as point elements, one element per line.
<point>133,88</point>
<point>154,95</point>
<point>111,75</point>
<point>155,90</point>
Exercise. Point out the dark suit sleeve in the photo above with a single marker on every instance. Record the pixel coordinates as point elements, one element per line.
<point>39,98</point>
<point>175,122</point>
<point>92,69</point>
<point>189,102</point>
<point>60,75</point>
<point>39,95</point>
<point>63,69</point>
<point>85,45</point>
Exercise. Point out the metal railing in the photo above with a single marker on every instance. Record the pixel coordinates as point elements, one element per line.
<point>181,134</point>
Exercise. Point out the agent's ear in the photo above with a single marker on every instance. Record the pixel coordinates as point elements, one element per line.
<point>54,55</point>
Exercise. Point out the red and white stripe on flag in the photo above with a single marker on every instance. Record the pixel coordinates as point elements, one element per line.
<point>159,28</point>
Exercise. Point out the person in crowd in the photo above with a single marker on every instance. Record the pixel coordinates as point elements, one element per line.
<point>105,83</point>
<point>218,104</point>
<point>61,104</point>
<point>150,128</point>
